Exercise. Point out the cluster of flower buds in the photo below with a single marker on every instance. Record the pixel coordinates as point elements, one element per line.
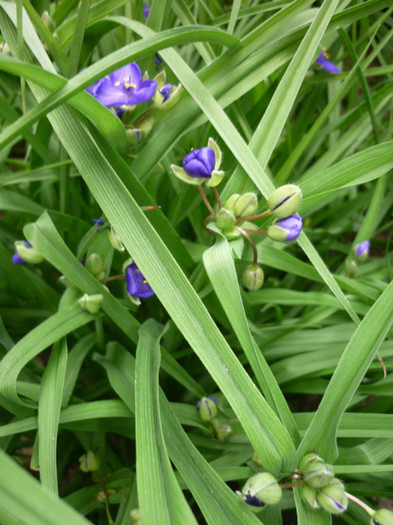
<point>201,166</point>
<point>321,488</point>
<point>260,490</point>
<point>207,408</point>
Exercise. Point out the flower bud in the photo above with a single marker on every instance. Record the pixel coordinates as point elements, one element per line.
<point>382,517</point>
<point>89,462</point>
<point>230,203</point>
<point>207,408</point>
<point>166,95</point>
<point>5,48</point>
<point>285,201</point>
<point>48,21</point>
<point>220,429</point>
<point>333,498</point>
<point>252,278</point>
<point>135,135</point>
<point>308,460</point>
<point>199,163</point>
<point>262,489</point>
<point>94,264</point>
<point>318,474</point>
<point>27,252</point>
<point>91,303</point>
<point>287,229</point>
<point>309,495</point>
<point>351,268</point>
<point>362,250</point>
<point>136,517</point>
<point>245,205</point>
<point>115,240</point>
<point>225,219</point>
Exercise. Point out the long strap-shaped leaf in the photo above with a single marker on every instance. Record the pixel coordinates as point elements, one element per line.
<point>154,473</point>
<point>217,502</point>
<point>360,351</point>
<point>219,264</point>
<point>24,501</point>
<point>263,428</point>
<point>49,407</point>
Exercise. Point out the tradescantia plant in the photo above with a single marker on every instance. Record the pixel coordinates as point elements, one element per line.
<point>195,248</point>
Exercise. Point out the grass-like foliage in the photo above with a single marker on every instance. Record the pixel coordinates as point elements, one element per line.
<point>196,257</point>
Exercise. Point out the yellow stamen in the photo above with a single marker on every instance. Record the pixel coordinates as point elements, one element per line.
<point>325,53</point>
<point>145,282</point>
<point>127,85</point>
<point>117,83</point>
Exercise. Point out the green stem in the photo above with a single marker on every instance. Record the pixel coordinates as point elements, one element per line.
<point>361,503</point>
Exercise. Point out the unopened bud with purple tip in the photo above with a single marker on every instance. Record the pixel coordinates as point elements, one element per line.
<point>262,489</point>
<point>287,229</point>
<point>252,278</point>
<point>362,250</point>
<point>27,253</point>
<point>207,408</point>
<point>285,201</point>
<point>382,517</point>
<point>166,95</point>
<point>333,498</point>
<point>309,495</point>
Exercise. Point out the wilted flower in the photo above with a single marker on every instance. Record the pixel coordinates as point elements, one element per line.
<point>207,408</point>
<point>99,223</point>
<point>287,229</point>
<point>123,87</point>
<point>362,250</point>
<point>201,165</point>
<point>146,10</point>
<point>137,286</point>
<point>326,64</point>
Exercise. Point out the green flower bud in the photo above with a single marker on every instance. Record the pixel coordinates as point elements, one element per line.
<point>245,205</point>
<point>48,21</point>
<point>333,498</point>
<point>135,135</point>
<point>225,219</point>
<point>252,278</point>
<point>221,430</point>
<point>5,48</point>
<point>308,460</point>
<point>231,233</point>
<point>318,475</point>
<point>94,264</point>
<point>230,203</point>
<point>89,462</point>
<point>115,240</point>
<point>66,282</point>
<point>351,268</point>
<point>207,408</point>
<point>262,489</point>
<point>309,495</point>
<point>285,201</point>
<point>28,253</point>
<point>91,303</point>
<point>136,517</point>
<point>382,517</point>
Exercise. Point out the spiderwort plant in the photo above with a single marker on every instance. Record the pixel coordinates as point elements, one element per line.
<point>201,166</point>
<point>124,87</point>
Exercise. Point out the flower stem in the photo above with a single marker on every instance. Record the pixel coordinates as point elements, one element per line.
<point>361,503</point>
<point>254,217</point>
<point>108,514</point>
<point>291,485</point>
<point>217,197</point>
<point>207,203</point>
<point>258,232</point>
<point>144,117</point>
<point>205,225</point>
<point>254,248</point>
<point>112,278</point>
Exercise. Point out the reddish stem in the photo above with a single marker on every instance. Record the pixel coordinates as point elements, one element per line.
<point>254,248</point>
<point>217,197</point>
<point>207,203</point>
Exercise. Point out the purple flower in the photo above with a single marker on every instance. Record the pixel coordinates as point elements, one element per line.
<point>137,286</point>
<point>326,64</point>
<point>99,223</point>
<point>146,10</point>
<point>200,163</point>
<point>362,250</point>
<point>286,229</point>
<point>124,86</point>
<point>158,60</point>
